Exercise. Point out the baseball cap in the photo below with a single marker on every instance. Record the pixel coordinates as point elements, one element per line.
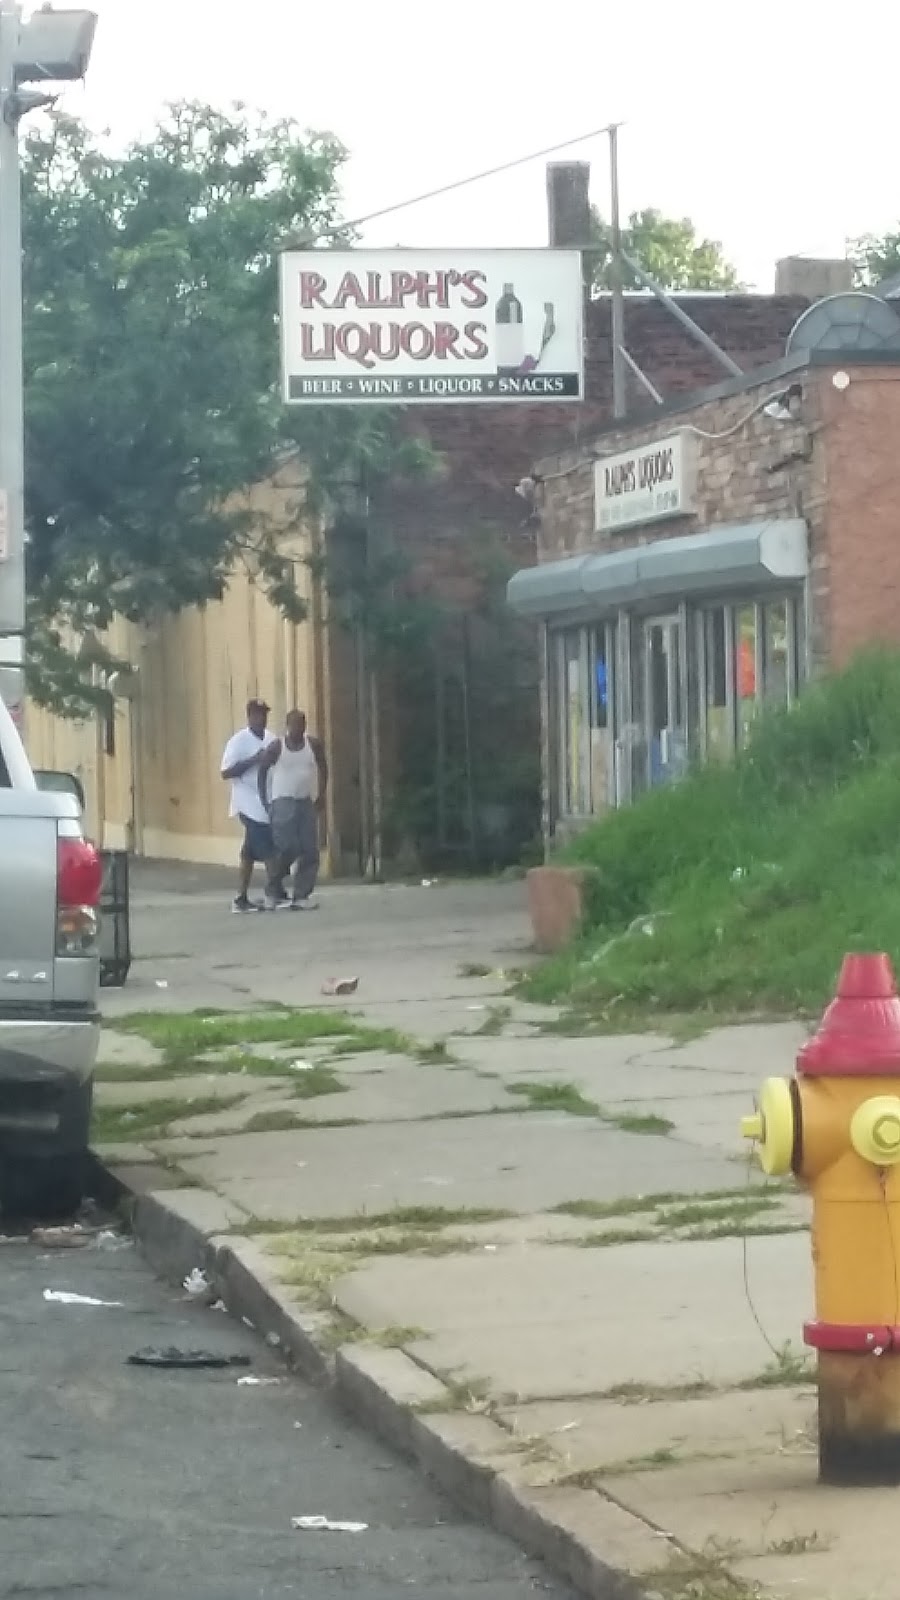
<point>257,705</point>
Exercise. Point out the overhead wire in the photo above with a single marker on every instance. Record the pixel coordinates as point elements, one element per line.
<point>448,188</point>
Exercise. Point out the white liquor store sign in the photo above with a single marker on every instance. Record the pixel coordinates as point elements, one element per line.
<point>645,484</point>
<point>430,326</point>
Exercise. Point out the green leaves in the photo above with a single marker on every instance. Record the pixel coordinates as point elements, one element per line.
<point>151,357</point>
<point>668,249</point>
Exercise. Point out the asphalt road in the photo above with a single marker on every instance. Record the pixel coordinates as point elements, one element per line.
<point>165,1485</point>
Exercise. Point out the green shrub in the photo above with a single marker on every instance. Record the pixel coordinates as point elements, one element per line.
<point>755,877</point>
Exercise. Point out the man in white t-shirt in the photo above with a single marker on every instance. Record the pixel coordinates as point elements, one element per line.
<point>292,779</point>
<point>240,767</point>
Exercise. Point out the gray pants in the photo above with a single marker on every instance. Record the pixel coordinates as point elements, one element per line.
<point>295,830</point>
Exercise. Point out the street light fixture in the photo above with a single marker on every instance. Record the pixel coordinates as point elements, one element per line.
<point>50,47</point>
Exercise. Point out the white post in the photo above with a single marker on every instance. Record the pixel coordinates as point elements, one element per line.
<point>620,396</point>
<point>12,443</point>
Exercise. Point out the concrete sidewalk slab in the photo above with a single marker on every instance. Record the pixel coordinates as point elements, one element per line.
<point>541,1322</point>
<point>528,1162</point>
<point>603,1437</point>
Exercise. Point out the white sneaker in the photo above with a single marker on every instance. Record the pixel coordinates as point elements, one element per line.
<point>309,904</point>
<point>240,905</point>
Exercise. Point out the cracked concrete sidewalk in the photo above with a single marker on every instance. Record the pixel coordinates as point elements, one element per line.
<point>563,1231</point>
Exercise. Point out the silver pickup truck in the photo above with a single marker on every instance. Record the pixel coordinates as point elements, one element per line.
<point>50,882</point>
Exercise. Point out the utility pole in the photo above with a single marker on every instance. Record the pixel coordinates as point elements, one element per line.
<point>12,445</point>
<point>51,46</point>
<point>619,373</point>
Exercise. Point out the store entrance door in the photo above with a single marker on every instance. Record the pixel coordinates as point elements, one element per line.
<point>664,700</point>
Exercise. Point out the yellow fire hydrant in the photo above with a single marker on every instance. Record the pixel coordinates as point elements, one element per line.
<point>836,1126</point>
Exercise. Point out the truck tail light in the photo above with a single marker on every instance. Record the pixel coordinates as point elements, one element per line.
<point>79,879</point>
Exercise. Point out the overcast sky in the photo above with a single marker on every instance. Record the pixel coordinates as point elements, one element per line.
<point>773,128</point>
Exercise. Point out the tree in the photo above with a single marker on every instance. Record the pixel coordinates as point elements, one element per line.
<point>668,249</point>
<point>151,357</point>
<point>875,257</point>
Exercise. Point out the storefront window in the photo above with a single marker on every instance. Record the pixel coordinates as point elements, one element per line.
<point>719,728</point>
<point>573,721</point>
<point>626,694</point>
<point>745,669</point>
<point>776,662</point>
<point>603,750</point>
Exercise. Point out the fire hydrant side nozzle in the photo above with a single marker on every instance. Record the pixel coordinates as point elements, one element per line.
<point>836,1125</point>
<point>774,1127</point>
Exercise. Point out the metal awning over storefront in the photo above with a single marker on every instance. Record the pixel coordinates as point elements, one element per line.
<point>737,556</point>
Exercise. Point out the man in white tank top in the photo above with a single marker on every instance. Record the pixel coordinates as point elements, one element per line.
<point>293,777</point>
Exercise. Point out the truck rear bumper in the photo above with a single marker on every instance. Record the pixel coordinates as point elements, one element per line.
<point>52,1051</point>
<point>45,1071</point>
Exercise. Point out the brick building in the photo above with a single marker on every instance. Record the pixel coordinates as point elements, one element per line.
<point>701,564</point>
<point>461,728</point>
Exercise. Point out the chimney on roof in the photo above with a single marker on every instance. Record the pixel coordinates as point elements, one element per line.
<point>568,205</point>
<point>812,279</point>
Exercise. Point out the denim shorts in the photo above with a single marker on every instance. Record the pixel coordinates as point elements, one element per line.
<point>258,844</point>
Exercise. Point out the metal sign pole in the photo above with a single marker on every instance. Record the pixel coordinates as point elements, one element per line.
<point>620,392</point>
<point>12,466</point>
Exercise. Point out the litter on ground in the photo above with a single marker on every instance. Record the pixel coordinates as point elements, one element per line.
<point>64,1297</point>
<point>171,1356</point>
<point>326,1525</point>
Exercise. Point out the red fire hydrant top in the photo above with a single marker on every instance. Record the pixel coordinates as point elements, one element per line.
<point>859,1035</point>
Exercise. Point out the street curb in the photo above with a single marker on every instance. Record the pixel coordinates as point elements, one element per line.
<point>583,1537</point>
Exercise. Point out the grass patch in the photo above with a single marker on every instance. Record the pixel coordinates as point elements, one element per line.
<point>426,1218</point>
<point>494,1023</point>
<point>745,1230</point>
<point>386,1041</point>
<point>637,1394</point>
<point>555,1097</point>
<point>472,1394</point>
<point>638,1122</point>
<point>434,1053</point>
<point>185,1036</point>
<point>473,969</point>
<point>630,1205</point>
<point>306,1084</point>
<point>788,1369</point>
<point>799,1544</point>
<point>738,889</point>
<point>696,1214</point>
<point>285,1121</point>
<point>152,1119</point>
<point>408,1242</point>
<point>396,1338</point>
<point>690,1576</point>
<point>598,1241</point>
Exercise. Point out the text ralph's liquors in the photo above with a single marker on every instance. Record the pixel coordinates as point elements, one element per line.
<point>509,331</point>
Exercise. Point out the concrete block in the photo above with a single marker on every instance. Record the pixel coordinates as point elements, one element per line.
<point>555,905</point>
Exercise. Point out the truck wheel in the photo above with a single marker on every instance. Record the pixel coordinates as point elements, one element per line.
<point>50,1183</point>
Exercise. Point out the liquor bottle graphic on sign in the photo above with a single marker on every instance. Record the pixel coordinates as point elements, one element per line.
<point>509,333</point>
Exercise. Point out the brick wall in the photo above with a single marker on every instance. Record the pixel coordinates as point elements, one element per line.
<point>485,450</point>
<point>859,577</point>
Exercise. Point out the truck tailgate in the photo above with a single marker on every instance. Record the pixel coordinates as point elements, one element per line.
<point>28,909</point>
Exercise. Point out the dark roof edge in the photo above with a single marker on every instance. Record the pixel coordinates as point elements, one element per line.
<point>690,400</point>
